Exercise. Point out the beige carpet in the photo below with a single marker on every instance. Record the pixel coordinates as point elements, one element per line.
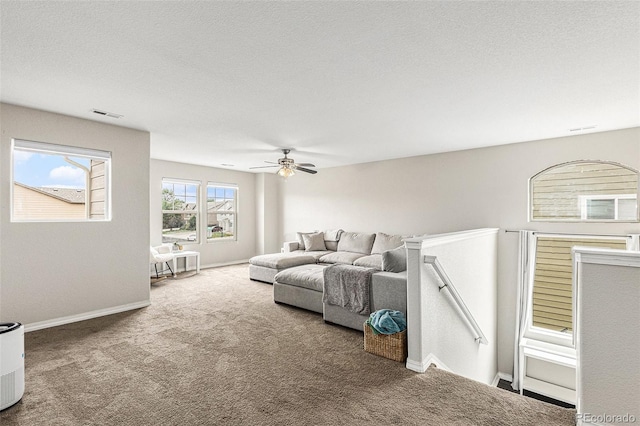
<point>214,349</point>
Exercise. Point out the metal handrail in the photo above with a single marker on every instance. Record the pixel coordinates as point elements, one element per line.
<point>437,266</point>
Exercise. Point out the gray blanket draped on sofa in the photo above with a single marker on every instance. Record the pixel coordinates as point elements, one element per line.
<point>349,287</point>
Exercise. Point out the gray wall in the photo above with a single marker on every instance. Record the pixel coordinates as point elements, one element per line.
<point>217,252</point>
<point>53,270</point>
<point>453,191</point>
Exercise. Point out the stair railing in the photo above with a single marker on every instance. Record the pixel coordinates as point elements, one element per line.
<point>448,284</point>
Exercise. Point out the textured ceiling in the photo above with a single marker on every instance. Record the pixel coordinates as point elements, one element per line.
<point>339,82</point>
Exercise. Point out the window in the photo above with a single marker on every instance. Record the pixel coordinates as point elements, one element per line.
<point>552,296</point>
<point>180,211</point>
<point>222,201</point>
<point>59,183</point>
<point>585,191</point>
<point>608,207</point>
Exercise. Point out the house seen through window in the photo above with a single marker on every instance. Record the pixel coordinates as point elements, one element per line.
<point>221,212</point>
<point>59,183</point>
<point>586,191</point>
<point>180,211</point>
<point>552,297</point>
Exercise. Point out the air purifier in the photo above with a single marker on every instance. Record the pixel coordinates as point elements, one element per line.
<point>11,363</point>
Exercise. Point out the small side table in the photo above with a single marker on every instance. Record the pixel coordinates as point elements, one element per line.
<point>186,254</point>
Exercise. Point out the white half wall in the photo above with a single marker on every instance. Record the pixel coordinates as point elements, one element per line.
<point>217,252</point>
<point>608,340</point>
<point>453,191</point>
<point>437,327</point>
<point>55,270</point>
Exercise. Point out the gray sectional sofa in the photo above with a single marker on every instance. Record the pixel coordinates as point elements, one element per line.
<point>297,274</point>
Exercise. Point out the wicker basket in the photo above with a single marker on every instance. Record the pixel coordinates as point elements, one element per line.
<point>392,346</point>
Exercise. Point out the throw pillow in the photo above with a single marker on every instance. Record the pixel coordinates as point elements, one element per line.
<point>301,241</point>
<point>394,260</point>
<point>384,242</point>
<point>314,242</point>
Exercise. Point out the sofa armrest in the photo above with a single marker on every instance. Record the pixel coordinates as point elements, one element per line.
<point>290,246</point>
<point>389,291</point>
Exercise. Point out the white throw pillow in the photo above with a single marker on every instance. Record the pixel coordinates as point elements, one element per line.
<point>301,240</point>
<point>314,242</point>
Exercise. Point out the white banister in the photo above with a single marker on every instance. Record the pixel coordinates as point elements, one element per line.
<point>448,284</point>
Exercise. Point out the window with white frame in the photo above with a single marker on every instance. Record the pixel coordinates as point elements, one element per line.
<point>609,207</point>
<point>222,202</point>
<point>180,207</point>
<point>552,295</point>
<point>51,182</point>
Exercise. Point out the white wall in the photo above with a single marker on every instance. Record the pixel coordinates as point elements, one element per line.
<point>609,352</point>
<point>50,271</point>
<point>267,231</point>
<point>449,192</point>
<point>217,252</point>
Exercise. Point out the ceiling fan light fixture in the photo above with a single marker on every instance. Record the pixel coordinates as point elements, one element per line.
<point>285,172</point>
<point>287,166</point>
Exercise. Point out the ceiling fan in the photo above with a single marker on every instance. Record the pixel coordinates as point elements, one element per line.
<point>288,166</point>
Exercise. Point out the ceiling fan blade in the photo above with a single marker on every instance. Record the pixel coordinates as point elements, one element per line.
<point>302,169</point>
<point>263,167</point>
<point>270,162</point>
<point>305,164</point>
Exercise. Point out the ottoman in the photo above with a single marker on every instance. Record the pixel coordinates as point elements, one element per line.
<point>266,266</point>
<point>300,286</point>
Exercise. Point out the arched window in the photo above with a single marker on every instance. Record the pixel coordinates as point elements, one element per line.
<point>584,191</point>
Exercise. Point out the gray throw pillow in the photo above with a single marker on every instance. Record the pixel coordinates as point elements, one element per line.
<point>394,260</point>
<point>314,242</point>
<point>384,242</point>
<point>301,240</point>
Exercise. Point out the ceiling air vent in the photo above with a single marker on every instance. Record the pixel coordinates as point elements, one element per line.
<point>108,114</point>
<point>579,129</point>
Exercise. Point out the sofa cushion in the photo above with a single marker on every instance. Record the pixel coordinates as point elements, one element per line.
<point>372,261</point>
<point>331,245</point>
<point>342,257</point>
<point>314,242</point>
<point>384,242</point>
<point>306,276</point>
<point>356,242</point>
<point>395,260</point>
<point>331,238</point>
<point>283,260</point>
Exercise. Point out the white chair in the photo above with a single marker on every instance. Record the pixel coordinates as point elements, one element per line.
<point>161,254</point>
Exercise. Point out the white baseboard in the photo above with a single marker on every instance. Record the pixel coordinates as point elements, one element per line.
<point>85,316</point>
<point>217,265</point>
<point>418,367</point>
<point>421,367</point>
